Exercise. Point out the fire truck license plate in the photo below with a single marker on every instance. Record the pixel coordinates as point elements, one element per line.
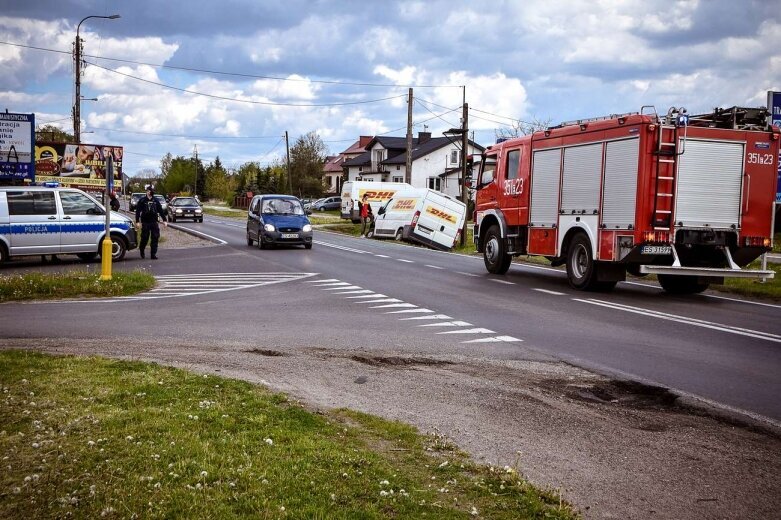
<point>656,250</point>
<point>289,235</point>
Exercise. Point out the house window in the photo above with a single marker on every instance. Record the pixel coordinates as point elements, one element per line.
<point>454,156</point>
<point>398,179</point>
<point>398,167</point>
<point>434,183</point>
<point>360,168</point>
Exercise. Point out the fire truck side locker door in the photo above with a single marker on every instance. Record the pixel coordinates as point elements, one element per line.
<point>544,210</point>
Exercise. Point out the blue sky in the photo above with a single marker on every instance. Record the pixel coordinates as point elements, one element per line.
<point>518,60</point>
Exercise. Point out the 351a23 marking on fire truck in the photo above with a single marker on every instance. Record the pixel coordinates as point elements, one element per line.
<point>760,158</point>
<point>513,187</point>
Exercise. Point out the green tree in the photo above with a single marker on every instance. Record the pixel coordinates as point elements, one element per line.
<point>180,176</point>
<point>218,183</point>
<point>52,134</point>
<point>307,157</point>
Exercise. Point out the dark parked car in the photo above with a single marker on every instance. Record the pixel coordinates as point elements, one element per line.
<point>277,220</point>
<point>327,204</point>
<point>184,207</point>
<point>134,198</point>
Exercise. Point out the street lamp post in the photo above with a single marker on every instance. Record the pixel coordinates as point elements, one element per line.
<point>77,52</point>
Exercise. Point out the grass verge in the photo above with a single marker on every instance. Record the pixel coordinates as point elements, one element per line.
<point>231,213</point>
<point>750,287</point>
<point>72,284</point>
<point>91,437</point>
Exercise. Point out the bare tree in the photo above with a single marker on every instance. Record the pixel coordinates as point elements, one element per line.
<point>520,128</point>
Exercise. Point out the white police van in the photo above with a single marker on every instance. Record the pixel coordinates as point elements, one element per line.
<point>47,221</point>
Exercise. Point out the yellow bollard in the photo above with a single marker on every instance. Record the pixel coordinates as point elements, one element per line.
<point>105,264</point>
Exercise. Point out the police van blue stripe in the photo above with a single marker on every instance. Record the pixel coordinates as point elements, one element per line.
<point>44,228</point>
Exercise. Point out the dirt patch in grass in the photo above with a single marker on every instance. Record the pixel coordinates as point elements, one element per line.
<point>395,361</point>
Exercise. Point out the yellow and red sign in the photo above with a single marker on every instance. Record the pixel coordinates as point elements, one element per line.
<point>404,204</point>
<point>442,215</point>
<point>376,195</point>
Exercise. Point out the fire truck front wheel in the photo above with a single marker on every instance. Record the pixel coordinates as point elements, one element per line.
<point>495,256</point>
<point>581,267</point>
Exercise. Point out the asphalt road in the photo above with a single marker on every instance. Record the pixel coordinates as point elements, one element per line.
<point>720,349</point>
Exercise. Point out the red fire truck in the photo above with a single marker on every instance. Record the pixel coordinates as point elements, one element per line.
<point>689,199</point>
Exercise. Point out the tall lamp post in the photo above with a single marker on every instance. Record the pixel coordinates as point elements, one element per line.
<point>77,52</point>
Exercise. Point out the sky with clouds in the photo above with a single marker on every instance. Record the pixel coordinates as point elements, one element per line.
<point>342,68</point>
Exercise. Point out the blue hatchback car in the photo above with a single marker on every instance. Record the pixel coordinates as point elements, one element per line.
<point>277,220</point>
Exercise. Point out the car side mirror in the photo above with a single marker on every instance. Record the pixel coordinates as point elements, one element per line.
<point>381,211</point>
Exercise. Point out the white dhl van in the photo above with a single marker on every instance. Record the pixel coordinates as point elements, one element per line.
<point>49,221</point>
<point>421,215</point>
<point>378,192</point>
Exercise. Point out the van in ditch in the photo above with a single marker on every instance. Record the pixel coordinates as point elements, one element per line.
<point>50,221</point>
<point>378,192</point>
<point>421,215</point>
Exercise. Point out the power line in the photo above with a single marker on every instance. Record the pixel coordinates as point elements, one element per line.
<point>184,136</point>
<point>439,116</point>
<point>236,74</point>
<point>248,101</point>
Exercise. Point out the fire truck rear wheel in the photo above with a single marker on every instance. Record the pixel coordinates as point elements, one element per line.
<point>581,267</point>
<point>495,256</point>
<point>682,284</point>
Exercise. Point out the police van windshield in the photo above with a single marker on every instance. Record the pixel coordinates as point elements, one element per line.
<point>282,207</point>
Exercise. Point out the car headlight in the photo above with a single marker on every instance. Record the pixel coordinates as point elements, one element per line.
<point>269,227</point>
<point>198,211</point>
<point>307,228</point>
<point>178,212</point>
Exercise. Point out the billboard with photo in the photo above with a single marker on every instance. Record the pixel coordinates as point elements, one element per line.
<point>77,165</point>
<point>17,135</point>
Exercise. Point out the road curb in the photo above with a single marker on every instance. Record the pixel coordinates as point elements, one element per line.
<point>189,231</point>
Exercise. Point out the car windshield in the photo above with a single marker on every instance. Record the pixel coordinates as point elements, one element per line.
<point>137,196</point>
<point>282,207</point>
<point>160,198</point>
<point>184,201</point>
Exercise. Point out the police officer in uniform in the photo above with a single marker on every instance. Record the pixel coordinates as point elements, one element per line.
<point>148,210</point>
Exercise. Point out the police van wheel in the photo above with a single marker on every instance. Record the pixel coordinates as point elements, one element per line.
<point>118,248</point>
<point>682,284</point>
<point>495,256</point>
<point>3,253</point>
<point>399,234</point>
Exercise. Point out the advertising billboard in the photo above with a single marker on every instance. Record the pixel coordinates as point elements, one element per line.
<point>77,165</point>
<point>17,135</point>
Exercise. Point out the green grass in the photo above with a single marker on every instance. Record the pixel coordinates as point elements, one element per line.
<point>72,284</point>
<point>90,438</point>
<point>751,287</point>
<point>231,213</point>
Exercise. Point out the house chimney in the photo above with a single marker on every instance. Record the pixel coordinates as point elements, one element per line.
<point>423,137</point>
<point>364,140</point>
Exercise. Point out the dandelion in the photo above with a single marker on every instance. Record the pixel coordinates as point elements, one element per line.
<point>28,478</point>
<point>204,474</point>
<point>474,512</point>
<point>17,490</point>
<point>333,497</point>
<point>264,481</point>
<point>198,486</point>
<point>344,475</point>
<point>36,477</point>
<point>268,441</point>
<point>282,508</point>
<point>129,438</point>
<point>107,511</point>
<point>383,493</point>
<point>444,464</point>
<point>157,485</point>
<point>90,443</point>
<point>384,483</point>
<point>36,445</point>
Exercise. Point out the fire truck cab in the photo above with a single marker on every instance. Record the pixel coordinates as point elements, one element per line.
<point>689,199</point>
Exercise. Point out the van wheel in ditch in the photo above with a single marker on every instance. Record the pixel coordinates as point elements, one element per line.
<point>399,235</point>
<point>87,257</point>
<point>682,284</point>
<point>118,248</point>
<point>495,256</point>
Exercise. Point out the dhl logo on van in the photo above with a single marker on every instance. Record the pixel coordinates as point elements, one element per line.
<point>447,217</point>
<point>404,204</point>
<point>376,195</point>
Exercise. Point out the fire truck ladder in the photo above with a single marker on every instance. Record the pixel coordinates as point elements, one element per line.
<point>666,152</point>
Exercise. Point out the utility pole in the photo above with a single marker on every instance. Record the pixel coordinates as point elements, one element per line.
<point>289,178</point>
<point>408,171</point>
<point>464,146</point>
<point>77,69</point>
<point>195,185</point>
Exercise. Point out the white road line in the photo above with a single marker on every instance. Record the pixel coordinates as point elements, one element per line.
<point>321,281</point>
<point>208,237</point>
<point>405,260</point>
<point>362,291</point>
<point>447,324</point>
<point>467,274</point>
<point>381,256</point>
<point>381,300</point>
<point>495,339</point>
<point>546,291</point>
<point>374,295</point>
<point>344,248</point>
<point>434,266</point>
<point>685,320</point>
<point>501,281</point>
<point>428,317</point>
<point>468,331</point>
<point>328,284</point>
<point>414,311</point>
<point>393,306</point>
<point>339,288</point>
